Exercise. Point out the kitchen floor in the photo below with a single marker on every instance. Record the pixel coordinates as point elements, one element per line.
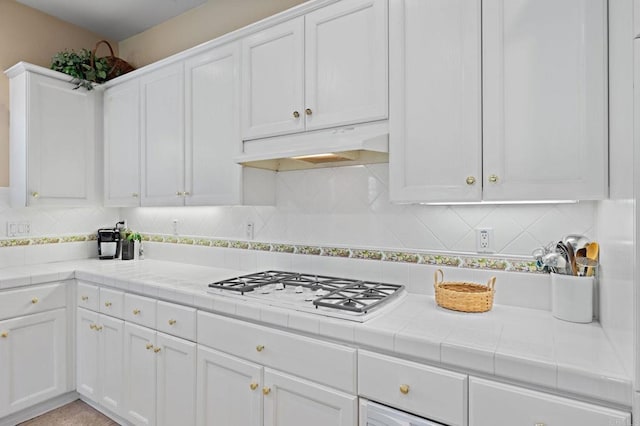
<point>76,413</point>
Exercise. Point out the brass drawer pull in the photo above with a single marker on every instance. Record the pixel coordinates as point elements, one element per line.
<point>260,348</point>
<point>172,322</point>
<point>34,300</point>
<point>404,389</point>
<point>84,298</point>
<point>107,304</point>
<point>136,311</point>
<point>4,334</point>
<point>156,350</point>
<point>149,346</point>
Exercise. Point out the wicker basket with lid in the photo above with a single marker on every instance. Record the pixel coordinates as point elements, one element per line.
<point>463,296</point>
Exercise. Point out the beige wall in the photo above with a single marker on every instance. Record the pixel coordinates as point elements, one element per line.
<point>213,19</point>
<point>32,36</point>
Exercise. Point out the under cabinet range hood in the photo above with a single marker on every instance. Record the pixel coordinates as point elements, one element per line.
<point>341,146</point>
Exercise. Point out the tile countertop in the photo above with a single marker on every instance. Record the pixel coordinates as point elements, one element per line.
<point>523,345</point>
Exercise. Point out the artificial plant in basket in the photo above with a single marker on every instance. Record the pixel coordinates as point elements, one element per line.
<point>80,66</point>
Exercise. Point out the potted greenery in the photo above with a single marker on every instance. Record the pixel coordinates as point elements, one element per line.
<point>80,66</point>
<point>129,239</point>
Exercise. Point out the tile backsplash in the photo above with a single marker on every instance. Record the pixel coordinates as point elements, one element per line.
<point>48,221</point>
<point>349,206</point>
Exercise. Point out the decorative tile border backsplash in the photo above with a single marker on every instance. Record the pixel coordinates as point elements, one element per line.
<point>454,260</point>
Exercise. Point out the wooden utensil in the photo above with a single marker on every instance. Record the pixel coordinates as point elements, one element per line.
<point>593,252</point>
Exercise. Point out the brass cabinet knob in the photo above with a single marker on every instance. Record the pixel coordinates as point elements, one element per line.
<point>98,328</point>
<point>296,114</point>
<point>539,424</point>
<point>156,350</point>
<point>136,311</point>
<point>107,304</point>
<point>4,334</point>
<point>260,348</point>
<point>179,193</point>
<point>172,322</point>
<point>266,390</point>
<point>34,300</point>
<point>253,386</point>
<point>35,194</point>
<point>135,195</point>
<point>471,180</point>
<point>84,298</point>
<point>308,111</point>
<point>404,389</point>
<point>93,326</point>
<point>493,178</point>
<point>149,346</point>
<point>186,193</point>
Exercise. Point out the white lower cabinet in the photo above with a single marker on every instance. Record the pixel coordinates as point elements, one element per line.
<point>497,404</point>
<point>291,401</point>
<point>159,378</point>
<point>33,357</point>
<point>229,390</point>
<point>100,358</point>
<point>232,391</point>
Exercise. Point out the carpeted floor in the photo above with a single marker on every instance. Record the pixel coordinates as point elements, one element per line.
<point>76,413</point>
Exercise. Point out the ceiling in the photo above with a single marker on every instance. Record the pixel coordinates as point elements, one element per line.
<point>114,19</point>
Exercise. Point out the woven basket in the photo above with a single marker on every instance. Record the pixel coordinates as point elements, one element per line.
<point>463,296</point>
<point>117,66</point>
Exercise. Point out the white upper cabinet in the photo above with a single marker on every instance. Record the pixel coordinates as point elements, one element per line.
<point>435,122</point>
<point>540,132</point>
<point>325,69</point>
<point>162,145</point>
<point>545,99</point>
<point>212,100</point>
<point>52,139</point>
<point>122,145</point>
<point>273,80</point>
<point>636,18</point>
<point>346,63</point>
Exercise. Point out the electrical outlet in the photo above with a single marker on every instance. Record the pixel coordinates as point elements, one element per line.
<point>174,223</point>
<point>18,229</point>
<point>484,240</point>
<point>249,231</point>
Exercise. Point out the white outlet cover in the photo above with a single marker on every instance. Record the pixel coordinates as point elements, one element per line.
<point>484,240</point>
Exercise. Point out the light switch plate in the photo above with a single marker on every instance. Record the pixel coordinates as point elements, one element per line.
<point>18,229</point>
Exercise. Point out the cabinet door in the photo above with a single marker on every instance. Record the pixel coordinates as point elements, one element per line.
<point>229,390</point>
<point>61,143</point>
<point>273,80</point>
<point>545,99</point>
<point>213,127</point>
<point>111,363</point>
<point>162,147</point>
<point>139,375</point>
<point>346,63</point>
<point>33,350</point>
<point>87,350</point>
<point>176,375</point>
<point>496,404</point>
<point>122,145</point>
<point>435,121</point>
<point>290,401</point>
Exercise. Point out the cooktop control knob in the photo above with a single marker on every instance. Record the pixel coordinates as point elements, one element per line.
<point>279,286</point>
<point>320,292</point>
<point>299,289</point>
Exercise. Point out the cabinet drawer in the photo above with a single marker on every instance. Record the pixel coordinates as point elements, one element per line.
<point>112,302</point>
<point>177,320</point>
<point>30,300</point>
<point>430,392</point>
<point>140,310</point>
<point>88,296</point>
<point>496,404</point>
<point>321,362</point>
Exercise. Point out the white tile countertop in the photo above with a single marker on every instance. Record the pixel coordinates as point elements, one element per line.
<point>523,345</point>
